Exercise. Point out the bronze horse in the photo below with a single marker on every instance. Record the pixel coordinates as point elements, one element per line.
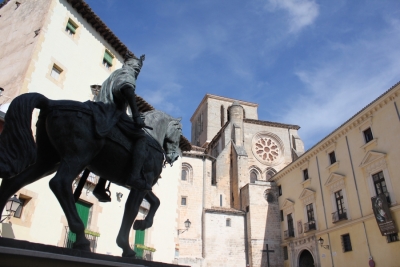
<point>66,143</point>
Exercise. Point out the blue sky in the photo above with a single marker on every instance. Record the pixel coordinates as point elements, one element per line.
<point>309,63</point>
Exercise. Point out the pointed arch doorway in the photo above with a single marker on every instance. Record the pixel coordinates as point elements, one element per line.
<point>306,259</point>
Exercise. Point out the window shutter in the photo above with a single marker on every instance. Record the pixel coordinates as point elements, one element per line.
<point>108,58</point>
<point>71,27</point>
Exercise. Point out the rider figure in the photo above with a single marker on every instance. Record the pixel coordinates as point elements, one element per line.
<point>119,90</point>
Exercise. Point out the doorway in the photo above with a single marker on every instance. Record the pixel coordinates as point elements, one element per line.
<point>306,259</point>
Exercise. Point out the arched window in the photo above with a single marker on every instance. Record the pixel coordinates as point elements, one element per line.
<point>187,173</point>
<point>270,172</point>
<point>253,177</point>
<point>184,175</point>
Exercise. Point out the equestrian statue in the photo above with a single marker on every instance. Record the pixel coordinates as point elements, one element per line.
<point>97,137</point>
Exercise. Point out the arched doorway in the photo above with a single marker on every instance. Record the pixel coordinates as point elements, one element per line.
<point>306,259</point>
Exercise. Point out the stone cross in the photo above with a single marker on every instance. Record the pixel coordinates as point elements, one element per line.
<point>268,251</point>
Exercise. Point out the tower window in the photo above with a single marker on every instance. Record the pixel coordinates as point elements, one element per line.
<point>228,222</point>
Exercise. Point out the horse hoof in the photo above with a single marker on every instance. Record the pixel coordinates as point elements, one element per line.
<point>129,254</point>
<point>84,246</point>
<point>138,225</point>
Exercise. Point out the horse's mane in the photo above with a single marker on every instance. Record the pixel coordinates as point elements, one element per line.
<point>155,115</point>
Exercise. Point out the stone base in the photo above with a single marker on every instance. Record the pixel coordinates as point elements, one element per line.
<point>18,253</point>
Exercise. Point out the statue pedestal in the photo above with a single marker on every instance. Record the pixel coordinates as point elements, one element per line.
<point>18,253</point>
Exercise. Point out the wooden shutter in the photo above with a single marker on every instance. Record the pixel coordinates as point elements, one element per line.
<point>139,240</point>
<point>108,57</point>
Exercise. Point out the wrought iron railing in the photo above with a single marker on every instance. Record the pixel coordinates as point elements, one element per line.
<point>288,233</point>
<point>309,226</point>
<point>143,252</point>
<point>70,238</point>
<point>339,215</point>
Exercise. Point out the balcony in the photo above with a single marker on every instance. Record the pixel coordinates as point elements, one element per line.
<point>339,216</point>
<point>309,226</point>
<point>288,234</point>
<point>143,252</point>
<point>70,238</point>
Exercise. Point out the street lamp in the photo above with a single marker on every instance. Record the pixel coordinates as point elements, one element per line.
<point>321,242</point>
<point>187,226</point>
<point>11,207</point>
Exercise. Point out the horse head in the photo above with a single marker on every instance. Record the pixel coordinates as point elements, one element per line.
<point>171,141</point>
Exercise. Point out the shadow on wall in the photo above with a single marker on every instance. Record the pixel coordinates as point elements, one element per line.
<point>6,230</point>
<point>272,235</point>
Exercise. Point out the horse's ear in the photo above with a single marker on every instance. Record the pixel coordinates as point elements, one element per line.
<point>179,119</point>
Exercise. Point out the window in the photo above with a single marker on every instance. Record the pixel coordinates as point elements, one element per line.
<point>368,135</point>
<point>285,253</point>
<point>55,72</point>
<point>310,225</point>
<point>332,157</point>
<point>108,59</point>
<point>340,213</point>
<point>18,212</point>
<point>392,238</point>
<point>183,201</point>
<point>214,173</point>
<point>290,225</point>
<point>282,217</point>
<point>228,222</point>
<point>247,208</point>
<point>220,200</point>
<point>380,185</point>
<point>253,177</point>
<point>270,173</point>
<point>305,174</point>
<point>279,190</point>
<point>71,27</point>
<point>184,175</point>
<point>310,212</point>
<point>346,243</point>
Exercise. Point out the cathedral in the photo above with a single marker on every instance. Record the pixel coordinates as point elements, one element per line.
<point>224,188</point>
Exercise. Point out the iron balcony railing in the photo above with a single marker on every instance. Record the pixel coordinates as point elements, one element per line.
<point>339,215</point>
<point>143,252</point>
<point>70,238</point>
<point>288,233</point>
<point>309,226</point>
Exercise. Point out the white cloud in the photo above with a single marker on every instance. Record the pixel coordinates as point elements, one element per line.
<point>340,86</point>
<point>301,13</point>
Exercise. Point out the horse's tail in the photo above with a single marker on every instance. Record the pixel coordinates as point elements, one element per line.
<point>17,145</point>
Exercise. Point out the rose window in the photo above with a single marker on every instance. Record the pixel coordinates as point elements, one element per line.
<point>267,149</point>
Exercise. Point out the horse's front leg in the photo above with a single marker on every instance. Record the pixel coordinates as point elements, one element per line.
<point>148,221</point>
<point>132,205</point>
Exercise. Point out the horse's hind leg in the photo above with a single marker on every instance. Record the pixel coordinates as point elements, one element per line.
<point>62,189</point>
<point>31,174</point>
<point>131,210</point>
<point>148,221</point>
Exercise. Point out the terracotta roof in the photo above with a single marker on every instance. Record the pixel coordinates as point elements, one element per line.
<point>184,144</point>
<point>87,13</point>
<point>273,124</point>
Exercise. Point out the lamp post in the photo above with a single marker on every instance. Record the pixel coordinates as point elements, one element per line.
<point>321,242</point>
<point>11,207</point>
<point>187,226</point>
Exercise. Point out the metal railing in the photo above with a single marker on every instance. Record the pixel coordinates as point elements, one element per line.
<point>70,239</point>
<point>339,215</point>
<point>143,254</point>
<point>309,226</point>
<point>288,233</point>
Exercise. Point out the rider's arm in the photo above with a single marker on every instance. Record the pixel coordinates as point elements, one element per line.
<point>128,91</point>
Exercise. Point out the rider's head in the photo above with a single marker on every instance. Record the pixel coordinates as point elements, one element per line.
<point>133,62</point>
